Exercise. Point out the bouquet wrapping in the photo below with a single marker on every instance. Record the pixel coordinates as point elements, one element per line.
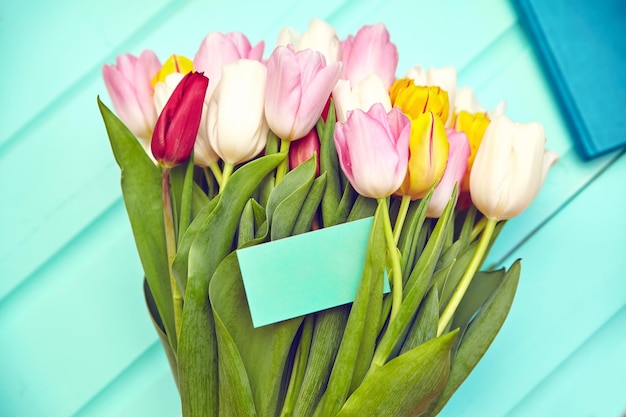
<point>229,152</point>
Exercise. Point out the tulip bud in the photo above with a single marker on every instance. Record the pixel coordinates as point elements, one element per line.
<point>373,149</point>
<point>303,149</point>
<point>510,167</point>
<point>298,86</point>
<point>129,85</point>
<point>236,125</point>
<point>428,156</point>
<point>176,128</point>
<point>415,100</point>
<point>369,52</point>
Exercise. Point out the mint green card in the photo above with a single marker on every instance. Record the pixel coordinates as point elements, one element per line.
<point>306,273</point>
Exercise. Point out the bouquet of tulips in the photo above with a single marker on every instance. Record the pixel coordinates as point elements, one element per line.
<point>229,151</point>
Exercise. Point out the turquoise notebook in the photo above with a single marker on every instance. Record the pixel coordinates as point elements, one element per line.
<point>582,45</point>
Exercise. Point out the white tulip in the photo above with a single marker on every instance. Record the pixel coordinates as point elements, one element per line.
<point>510,167</point>
<point>362,96</point>
<point>320,37</point>
<point>236,125</point>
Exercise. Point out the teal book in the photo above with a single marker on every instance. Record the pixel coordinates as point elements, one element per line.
<point>582,46</point>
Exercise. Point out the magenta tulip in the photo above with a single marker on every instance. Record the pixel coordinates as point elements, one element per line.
<point>455,169</point>
<point>177,127</point>
<point>373,149</point>
<point>369,52</point>
<point>298,86</point>
<point>303,149</point>
<point>218,49</point>
<point>129,85</point>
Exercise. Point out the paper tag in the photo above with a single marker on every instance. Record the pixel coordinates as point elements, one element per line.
<point>306,273</point>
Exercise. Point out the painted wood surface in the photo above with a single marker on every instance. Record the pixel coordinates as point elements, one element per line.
<point>75,339</point>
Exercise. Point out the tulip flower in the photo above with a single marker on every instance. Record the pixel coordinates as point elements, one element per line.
<point>373,149</point>
<point>320,37</point>
<point>303,149</point>
<point>474,126</point>
<point>510,168</point>
<point>236,127</point>
<point>415,100</point>
<point>361,95</point>
<point>129,85</point>
<point>428,156</point>
<point>218,49</point>
<point>369,52</point>
<point>176,128</point>
<point>203,155</point>
<point>298,86</point>
<point>455,169</point>
<point>445,78</point>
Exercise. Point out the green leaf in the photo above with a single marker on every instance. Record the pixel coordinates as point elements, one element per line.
<point>213,240</point>
<point>327,333</point>
<point>406,385</point>
<point>479,335</point>
<point>363,207</point>
<point>458,269</point>
<point>480,289</point>
<point>468,225</point>
<point>246,228</point>
<point>284,211</point>
<point>345,204</point>
<point>235,392</point>
<point>299,367</point>
<point>329,163</point>
<point>310,206</point>
<point>141,187</point>
<point>424,328</point>
<point>263,350</point>
<point>359,337</point>
<point>409,243</point>
<point>158,326</point>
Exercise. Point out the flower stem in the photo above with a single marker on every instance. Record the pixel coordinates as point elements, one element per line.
<point>473,266</point>
<point>226,173</point>
<point>404,208</point>
<point>217,172</point>
<point>478,228</point>
<point>396,272</point>
<point>282,167</point>
<point>170,244</point>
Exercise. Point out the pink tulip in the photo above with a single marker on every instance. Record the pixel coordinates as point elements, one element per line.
<point>373,149</point>
<point>218,49</point>
<point>129,85</point>
<point>298,86</point>
<point>455,169</point>
<point>369,52</point>
<point>177,126</point>
<point>303,149</point>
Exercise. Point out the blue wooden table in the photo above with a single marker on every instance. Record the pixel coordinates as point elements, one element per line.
<point>75,338</point>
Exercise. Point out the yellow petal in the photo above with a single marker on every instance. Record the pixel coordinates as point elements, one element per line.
<point>175,63</point>
<point>428,157</point>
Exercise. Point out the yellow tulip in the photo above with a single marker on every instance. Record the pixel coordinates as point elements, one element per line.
<point>428,155</point>
<point>415,100</point>
<point>175,63</point>
<point>474,126</point>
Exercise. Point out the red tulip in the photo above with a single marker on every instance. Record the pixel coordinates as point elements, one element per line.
<point>177,127</point>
